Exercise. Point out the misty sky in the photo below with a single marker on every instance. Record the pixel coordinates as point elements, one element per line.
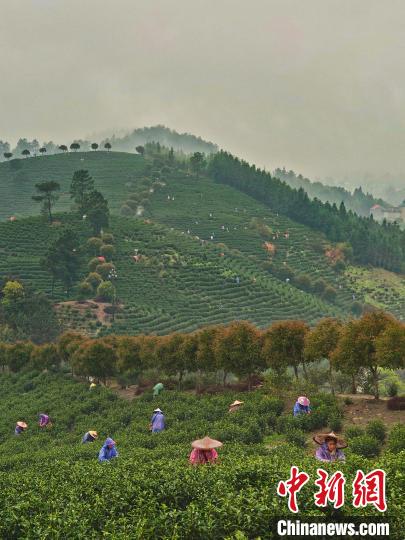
<point>315,85</point>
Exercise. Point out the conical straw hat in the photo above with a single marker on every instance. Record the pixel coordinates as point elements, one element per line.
<point>321,437</point>
<point>206,444</point>
<point>304,401</point>
<point>22,424</point>
<point>235,403</point>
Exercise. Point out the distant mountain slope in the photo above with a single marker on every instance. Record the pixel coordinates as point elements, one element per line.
<point>204,246</point>
<point>358,201</point>
<point>181,142</point>
<point>184,142</point>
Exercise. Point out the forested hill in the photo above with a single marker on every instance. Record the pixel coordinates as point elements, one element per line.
<point>358,201</point>
<point>372,243</point>
<point>181,142</point>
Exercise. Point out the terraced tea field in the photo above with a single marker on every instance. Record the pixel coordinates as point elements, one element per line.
<point>380,288</point>
<point>110,170</point>
<point>202,247</point>
<point>179,283</point>
<point>150,491</point>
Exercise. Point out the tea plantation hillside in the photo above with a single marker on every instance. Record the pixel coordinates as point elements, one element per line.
<point>179,283</point>
<point>111,170</point>
<point>53,486</point>
<point>217,237</point>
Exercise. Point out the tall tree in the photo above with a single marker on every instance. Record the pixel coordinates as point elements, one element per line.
<point>75,146</point>
<point>357,346</point>
<point>321,341</point>
<point>29,315</point>
<point>4,148</point>
<point>8,155</point>
<point>96,359</point>
<point>63,148</point>
<point>81,186</point>
<point>61,259</point>
<point>26,152</point>
<point>238,349</point>
<point>129,355</point>
<point>140,149</point>
<point>95,207</point>
<point>94,146</point>
<point>283,345</point>
<point>107,146</point>
<point>47,196</point>
<point>171,357</point>
<point>197,162</point>
<point>390,346</point>
<point>42,150</point>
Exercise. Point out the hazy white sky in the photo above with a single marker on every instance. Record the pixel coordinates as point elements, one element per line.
<point>315,85</point>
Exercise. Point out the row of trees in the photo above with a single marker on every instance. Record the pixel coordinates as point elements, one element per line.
<point>181,142</point>
<point>75,146</point>
<point>376,340</point>
<point>380,245</point>
<point>358,201</point>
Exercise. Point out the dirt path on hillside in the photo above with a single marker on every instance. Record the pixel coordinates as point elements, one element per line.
<point>365,408</point>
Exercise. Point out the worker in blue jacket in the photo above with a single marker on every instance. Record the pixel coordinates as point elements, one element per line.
<point>108,450</point>
<point>302,406</point>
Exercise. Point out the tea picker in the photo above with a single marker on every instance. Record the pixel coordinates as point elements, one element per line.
<point>20,427</point>
<point>157,389</point>
<point>302,406</point>
<point>204,451</point>
<point>158,421</point>
<point>108,450</point>
<point>89,437</point>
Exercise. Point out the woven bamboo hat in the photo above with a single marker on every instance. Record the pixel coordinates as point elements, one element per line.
<point>322,437</point>
<point>94,434</point>
<point>236,403</point>
<point>206,444</point>
<point>304,401</point>
<point>22,425</point>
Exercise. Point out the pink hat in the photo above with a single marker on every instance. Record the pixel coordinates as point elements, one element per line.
<point>304,401</point>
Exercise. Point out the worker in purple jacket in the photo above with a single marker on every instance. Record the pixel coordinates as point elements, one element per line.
<point>44,421</point>
<point>157,423</point>
<point>330,447</point>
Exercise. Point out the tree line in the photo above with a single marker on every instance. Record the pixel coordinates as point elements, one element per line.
<point>180,142</point>
<point>374,341</point>
<point>373,243</point>
<point>358,201</point>
<point>28,148</point>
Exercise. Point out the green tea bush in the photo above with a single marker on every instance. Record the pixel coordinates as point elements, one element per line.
<point>365,445</point>
<point>377,429</point>
<point>353,431</point>
<point>396,438</point>
<point>392,389</point>
<point>150,491</point>
<point>296,437</point>
<point>335,423</point>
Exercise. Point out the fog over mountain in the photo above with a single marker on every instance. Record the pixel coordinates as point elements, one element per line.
<point>314,86</point>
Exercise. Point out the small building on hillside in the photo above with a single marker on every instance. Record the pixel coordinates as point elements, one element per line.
<point>389,213</point>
